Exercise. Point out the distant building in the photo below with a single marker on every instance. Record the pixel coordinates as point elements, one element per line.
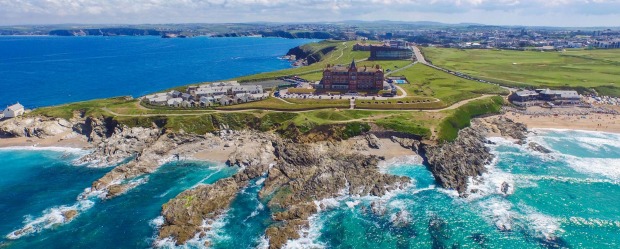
<point>390,53</point>
<point>542,96</point>
<point>13,111</point>
<point>352,78</point>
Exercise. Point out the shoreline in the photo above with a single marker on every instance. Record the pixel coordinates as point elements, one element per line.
<point>593,122</point>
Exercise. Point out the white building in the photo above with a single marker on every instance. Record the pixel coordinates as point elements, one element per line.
<point>13,111</point>
<point>175,102</point>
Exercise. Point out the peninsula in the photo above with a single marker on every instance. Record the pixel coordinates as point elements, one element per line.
<point>307,134</point>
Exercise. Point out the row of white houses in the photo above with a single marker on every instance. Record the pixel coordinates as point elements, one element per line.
<point>222,100</point>
<point>220,93</point>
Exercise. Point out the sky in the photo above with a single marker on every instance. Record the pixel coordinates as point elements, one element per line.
<point>563,13</point>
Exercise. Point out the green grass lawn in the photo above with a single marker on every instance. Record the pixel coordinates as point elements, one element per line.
<point>429,82</point>
<point>578,69</point>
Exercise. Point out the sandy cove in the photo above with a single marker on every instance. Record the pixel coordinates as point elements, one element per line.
<point>64,140</point>
<point>589,122</point>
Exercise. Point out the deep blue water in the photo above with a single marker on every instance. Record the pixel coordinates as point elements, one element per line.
<point>44,71</point>
<point>567,199</point>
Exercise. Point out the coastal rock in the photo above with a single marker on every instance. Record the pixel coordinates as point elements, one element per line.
<point>40,127</point>
<point>167,147</point>
<point>454,162</point>
<point>124,143</point>
<point>296,175</point>
<point>539,148</point>
<point>509,128</point>
<point>184,215</point>
<point>373,141</point>
<point>69,214</point>
<point>407,143</point>
<point>308,172</point>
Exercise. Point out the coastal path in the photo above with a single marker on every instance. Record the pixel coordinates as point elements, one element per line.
<point>451,107</point>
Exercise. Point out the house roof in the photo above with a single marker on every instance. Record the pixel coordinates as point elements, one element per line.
<point>526,93</point>
<point>15,107</point>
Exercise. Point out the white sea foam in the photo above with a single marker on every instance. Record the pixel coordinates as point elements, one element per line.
<point>207,177</point>
<point>50,218</point>
<point>256,211</point>
<point>430,187</point>
<point>260,181</point>
<point>157,222</point>
<point>399,161</point>
<point>212,231</point>
<point>77,151</point>
<point>308,237</point>
<point>541,225</point>
<point>607,167</point>
<point>401,218</point>
<point>499,212</point>
<point>263,243</point>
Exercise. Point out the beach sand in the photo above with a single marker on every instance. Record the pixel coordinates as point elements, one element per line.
<point>590,122</point>
<point>67,139</point>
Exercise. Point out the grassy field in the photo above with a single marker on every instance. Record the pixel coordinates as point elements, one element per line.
<point>429,82</point>
<point>460,118</point>
<point>577,69</point>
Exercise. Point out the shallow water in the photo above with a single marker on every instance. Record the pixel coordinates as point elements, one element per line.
<point>558,201</point>
<point>127,221</point>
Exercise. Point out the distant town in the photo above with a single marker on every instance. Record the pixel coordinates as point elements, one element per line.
<point>422,33</point>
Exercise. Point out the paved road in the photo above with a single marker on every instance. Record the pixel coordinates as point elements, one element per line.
<point>418,55</point>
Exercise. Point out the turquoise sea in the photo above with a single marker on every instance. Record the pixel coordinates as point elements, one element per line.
<point>49,70</point>
<point>567,199</point>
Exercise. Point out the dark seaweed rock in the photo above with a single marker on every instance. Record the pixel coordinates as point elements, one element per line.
<point>537,147</point>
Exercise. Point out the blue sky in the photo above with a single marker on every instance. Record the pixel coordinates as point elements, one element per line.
<point>578,13</point>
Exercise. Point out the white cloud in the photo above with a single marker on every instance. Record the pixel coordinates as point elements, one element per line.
<point>546,12</point>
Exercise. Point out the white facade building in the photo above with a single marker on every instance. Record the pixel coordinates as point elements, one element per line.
<point>13,111</point>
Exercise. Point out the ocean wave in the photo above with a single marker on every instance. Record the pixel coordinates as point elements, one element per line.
<point>606,167</point>
<point>399,161</point>
<point>211,231</point>
<point>77,151</point>
<point>540,225</point>
<point>157,222</point>
<point>499,212</point>
<point>51,217</point>
<point>256,211</point>
<point>308,237</point>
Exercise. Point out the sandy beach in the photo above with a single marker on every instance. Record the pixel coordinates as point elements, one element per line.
<point>576,121</point>
<point>68,140</point>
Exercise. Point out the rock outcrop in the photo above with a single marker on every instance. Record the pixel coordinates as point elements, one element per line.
<point>539,148</point>
<point>408,143</point>
<point>39,127</point>
<point>295,174</point>
<point>453,163</point>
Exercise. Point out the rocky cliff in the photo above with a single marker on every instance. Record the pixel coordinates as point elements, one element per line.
<point>309,53</point>
<point>453,163</point>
